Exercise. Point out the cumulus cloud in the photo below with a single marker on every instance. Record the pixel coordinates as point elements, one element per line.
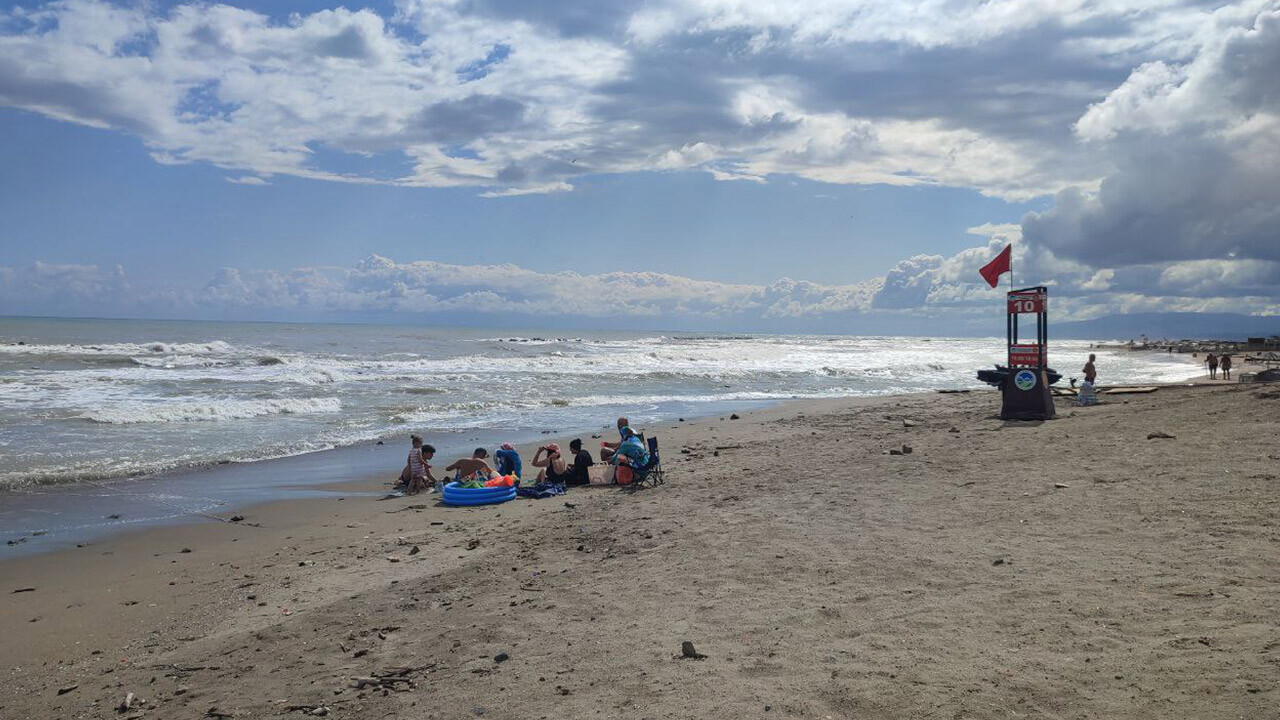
<point>516,98</point>
<point>925,286</point>
<point>72,289</point>
<point>1196,153</point>
<point>1154,127</point>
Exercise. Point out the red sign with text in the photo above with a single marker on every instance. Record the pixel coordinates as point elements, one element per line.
<point>1024,356</point>
<point>1027,303</point>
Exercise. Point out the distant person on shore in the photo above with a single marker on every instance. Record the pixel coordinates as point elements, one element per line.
<point>507,460</point>
<point>469,466</point>
<point>553,469</point>
<point>578,472</point>
<point>1088,395</point>
<point>1212,361</point>
<point>1225,362</point>
<point>607,449</point>
<point>416,475</point>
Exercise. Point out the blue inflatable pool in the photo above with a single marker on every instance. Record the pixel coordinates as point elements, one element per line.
<point>454,495</point>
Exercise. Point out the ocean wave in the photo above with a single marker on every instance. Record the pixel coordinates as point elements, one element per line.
<point>147,404</point>
<point>133,412</point>
<point>110,472</point>
<point>531,340</point>
<point>211,347</point>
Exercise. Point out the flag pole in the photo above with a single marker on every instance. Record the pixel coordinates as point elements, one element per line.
<point>1010,266</point>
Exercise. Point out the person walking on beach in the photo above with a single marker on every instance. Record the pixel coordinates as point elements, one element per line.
<point>1212,361</point>
<point>1225,362</point>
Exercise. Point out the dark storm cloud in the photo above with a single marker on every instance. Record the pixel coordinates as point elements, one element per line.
<point>569,18</point>
<point>1197,162</point>
<point>461,121</point>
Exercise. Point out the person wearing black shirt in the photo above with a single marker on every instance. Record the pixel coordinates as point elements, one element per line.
<point>578,473</point>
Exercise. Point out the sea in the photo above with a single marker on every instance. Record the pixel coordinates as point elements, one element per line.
<point>162,420</point>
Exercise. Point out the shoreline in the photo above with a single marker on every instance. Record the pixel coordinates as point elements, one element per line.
<point>237,486</point>
<point>291,395</point>
<point>369,466</point>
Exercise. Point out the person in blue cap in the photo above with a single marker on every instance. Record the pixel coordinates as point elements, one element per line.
<point>607,449</point>
<point>631,450</point>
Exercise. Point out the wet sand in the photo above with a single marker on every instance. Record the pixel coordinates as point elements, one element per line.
<point>819,575</point>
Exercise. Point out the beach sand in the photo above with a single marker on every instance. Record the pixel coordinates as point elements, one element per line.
<point>1068,569</point>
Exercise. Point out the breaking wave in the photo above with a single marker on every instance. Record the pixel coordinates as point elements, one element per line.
<point>134,412</point>
<point>213,347</point>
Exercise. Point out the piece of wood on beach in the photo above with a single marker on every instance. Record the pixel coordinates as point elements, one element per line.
<point>1128,390</point>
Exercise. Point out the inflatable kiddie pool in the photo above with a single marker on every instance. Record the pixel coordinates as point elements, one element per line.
<point>454,495</point>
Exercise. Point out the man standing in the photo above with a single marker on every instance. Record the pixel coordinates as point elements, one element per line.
<point>1212,361</point>
<point>1087,395</point>
<point>1225,363</point>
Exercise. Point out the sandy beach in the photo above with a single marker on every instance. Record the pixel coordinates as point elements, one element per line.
<point>1068,569</point>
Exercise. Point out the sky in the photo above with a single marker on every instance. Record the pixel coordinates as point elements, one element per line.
<point>832,165</point>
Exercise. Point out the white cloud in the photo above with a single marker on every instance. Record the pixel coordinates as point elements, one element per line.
<point>522,98</point>
<point>1155,126</point>
<point>924,286</point>
<point>1196,153</point>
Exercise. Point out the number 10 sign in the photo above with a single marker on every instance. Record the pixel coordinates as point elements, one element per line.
<point>1030,302</point>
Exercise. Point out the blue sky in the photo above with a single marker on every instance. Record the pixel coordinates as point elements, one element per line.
<point>785,166</point>
<point>83,195</point>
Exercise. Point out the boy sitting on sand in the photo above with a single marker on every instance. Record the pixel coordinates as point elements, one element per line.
<point>471,465</point>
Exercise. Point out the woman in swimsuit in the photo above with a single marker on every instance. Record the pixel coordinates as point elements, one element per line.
<point>553,468</point>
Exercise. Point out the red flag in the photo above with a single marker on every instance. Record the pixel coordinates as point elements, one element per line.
<point>992,271</point>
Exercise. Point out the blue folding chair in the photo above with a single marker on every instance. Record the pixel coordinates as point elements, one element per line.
<point>652,473</point>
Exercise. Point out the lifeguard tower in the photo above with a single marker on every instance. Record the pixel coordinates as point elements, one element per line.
<point>1025,391</point>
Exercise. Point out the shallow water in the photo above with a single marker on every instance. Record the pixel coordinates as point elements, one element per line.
<point>96,400</point>
<point>163,422</point>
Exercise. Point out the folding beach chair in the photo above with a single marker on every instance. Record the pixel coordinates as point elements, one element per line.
<point>652,472</point>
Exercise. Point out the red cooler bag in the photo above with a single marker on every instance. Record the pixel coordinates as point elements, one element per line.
<point>622,475</point>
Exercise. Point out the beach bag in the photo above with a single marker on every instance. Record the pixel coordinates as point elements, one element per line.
<point>601,474</point>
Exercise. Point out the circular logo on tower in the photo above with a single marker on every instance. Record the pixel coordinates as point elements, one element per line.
<point>1025,379</point>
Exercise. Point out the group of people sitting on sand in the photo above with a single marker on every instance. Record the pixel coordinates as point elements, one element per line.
<point>555,468</point>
